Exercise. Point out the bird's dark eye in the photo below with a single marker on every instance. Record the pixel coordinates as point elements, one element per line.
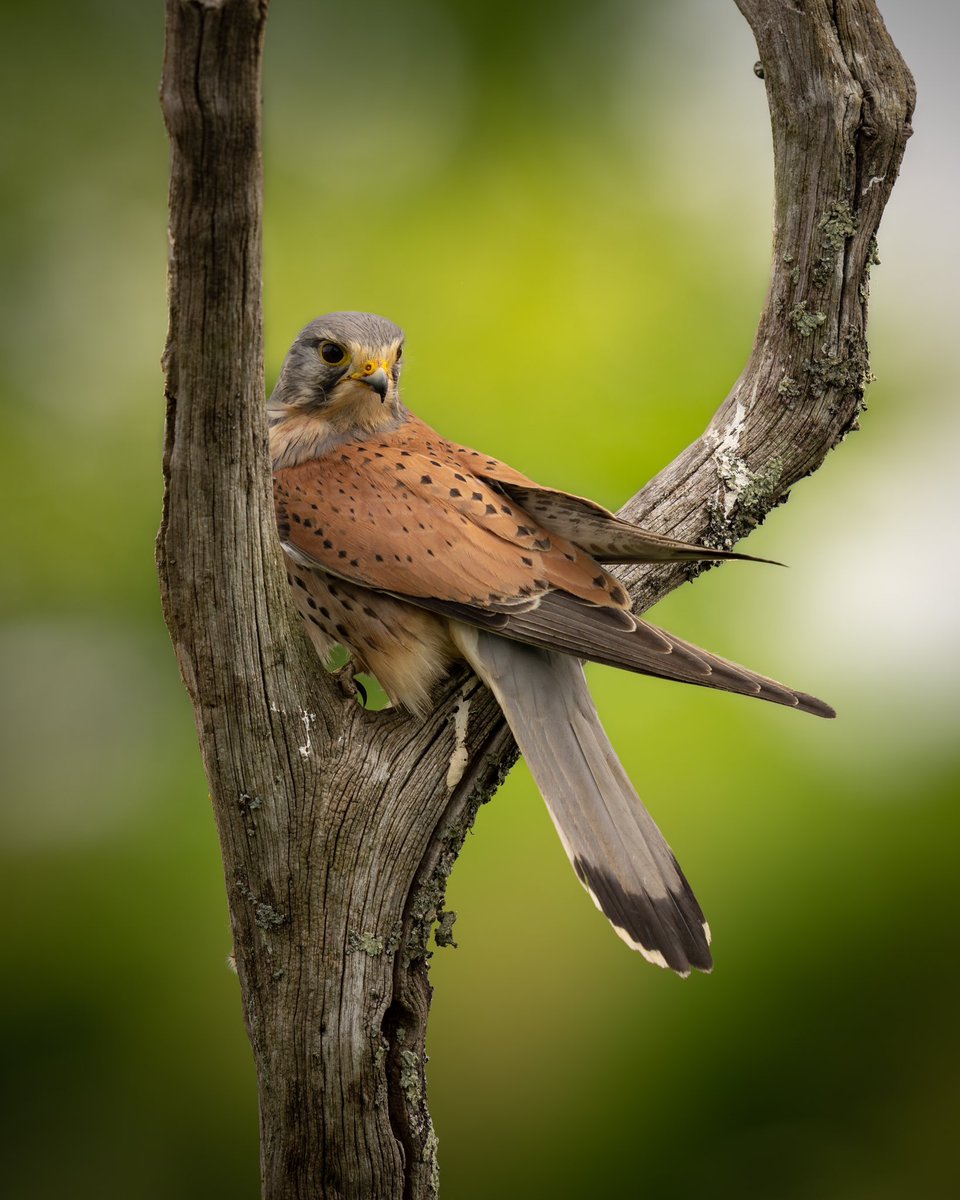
<point>332,354</point>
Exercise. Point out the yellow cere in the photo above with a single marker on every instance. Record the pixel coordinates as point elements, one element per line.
<point>370,367</point>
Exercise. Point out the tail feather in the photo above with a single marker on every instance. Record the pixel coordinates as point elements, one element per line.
<point>617,851</point>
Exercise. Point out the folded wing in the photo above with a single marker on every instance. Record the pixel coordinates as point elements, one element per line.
<point>467,537</point>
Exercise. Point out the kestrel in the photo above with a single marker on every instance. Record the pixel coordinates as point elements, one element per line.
<point>415,553</point>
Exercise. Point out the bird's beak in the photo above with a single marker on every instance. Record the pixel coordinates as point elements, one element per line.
<point>374,375</point>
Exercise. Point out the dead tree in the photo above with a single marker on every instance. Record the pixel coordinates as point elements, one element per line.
<point>339,826</point>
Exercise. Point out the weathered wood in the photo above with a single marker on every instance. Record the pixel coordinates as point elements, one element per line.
<point>841,99</point>
<point>339,827</point>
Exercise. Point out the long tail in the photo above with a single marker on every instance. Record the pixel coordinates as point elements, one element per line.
<point>617,851</point>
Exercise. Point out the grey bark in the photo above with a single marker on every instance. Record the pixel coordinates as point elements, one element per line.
<point>338,826</point>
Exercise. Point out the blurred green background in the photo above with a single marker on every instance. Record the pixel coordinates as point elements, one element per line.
<point>525,188</point>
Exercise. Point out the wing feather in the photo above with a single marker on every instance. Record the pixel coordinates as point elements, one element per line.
<point>405,521</point>
<point>560,622</point>
<point>465,536</point>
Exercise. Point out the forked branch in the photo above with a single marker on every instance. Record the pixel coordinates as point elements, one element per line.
<point>339,827</point>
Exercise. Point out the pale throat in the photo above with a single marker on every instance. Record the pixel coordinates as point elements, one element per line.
<point>298,435</point>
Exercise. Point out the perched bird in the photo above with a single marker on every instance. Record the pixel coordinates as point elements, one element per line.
<point>415,552</point>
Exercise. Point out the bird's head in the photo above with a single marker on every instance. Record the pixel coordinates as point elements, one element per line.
<point>344,367</point>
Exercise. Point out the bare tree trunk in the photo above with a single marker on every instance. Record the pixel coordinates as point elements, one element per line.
<point>339,827</point>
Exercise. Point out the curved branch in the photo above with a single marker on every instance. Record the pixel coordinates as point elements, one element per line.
<point>339,827</point>
<point>841,99</point>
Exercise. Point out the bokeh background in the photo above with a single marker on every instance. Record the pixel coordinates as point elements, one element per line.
<point>529,189</point>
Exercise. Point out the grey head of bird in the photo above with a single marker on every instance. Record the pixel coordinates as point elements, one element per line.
<point>344,366</point>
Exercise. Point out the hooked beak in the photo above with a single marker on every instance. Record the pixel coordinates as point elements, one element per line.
<point>379,381</point>
<point>374,375</point>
